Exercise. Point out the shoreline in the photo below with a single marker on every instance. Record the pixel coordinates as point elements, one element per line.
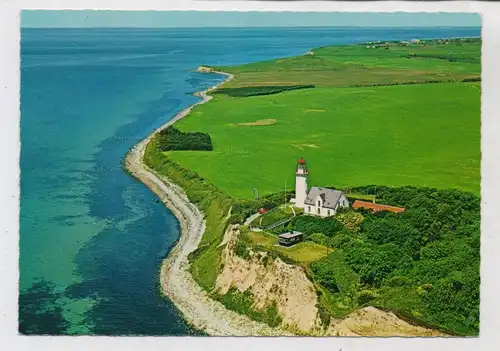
<point>177,283</point>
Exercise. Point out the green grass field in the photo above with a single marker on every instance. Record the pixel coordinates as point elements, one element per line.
<point>413,134</point>
<point>349,65</point>
<point>422,134</point>
<point>304,252</point>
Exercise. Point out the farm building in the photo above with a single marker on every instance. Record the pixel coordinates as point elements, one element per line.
<point>324,202</point>
<point>316,201</point>
<point>290,238</point>
<point>376,207</point>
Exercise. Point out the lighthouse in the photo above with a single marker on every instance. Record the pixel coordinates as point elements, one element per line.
<point>300,183</point>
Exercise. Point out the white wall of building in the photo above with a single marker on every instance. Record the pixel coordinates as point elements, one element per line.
<point>318,210</point>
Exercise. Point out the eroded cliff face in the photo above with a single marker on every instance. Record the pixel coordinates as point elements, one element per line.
<point>270,280</point>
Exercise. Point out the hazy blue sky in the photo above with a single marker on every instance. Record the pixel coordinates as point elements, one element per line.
<point>40,18</point>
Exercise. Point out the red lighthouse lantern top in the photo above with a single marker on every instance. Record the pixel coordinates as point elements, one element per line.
<point>302,161</point>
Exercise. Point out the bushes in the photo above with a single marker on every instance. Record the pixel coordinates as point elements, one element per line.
<point>172,139</point>
<point>260,90</point>
<point>236,218</point>
<point>241,248</point>
<point>319,238</point>
<point>450,58</point>
<point>350,219</point>
<point>473,79</point>
<point>366,296</point>
<point>397,281</point>
<point>324,316</point>
<point>243,302</point>
<point>310,225</point>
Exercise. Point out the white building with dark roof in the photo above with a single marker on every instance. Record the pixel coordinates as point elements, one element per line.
<point>316,201</point>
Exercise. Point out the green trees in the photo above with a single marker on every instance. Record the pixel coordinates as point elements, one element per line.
<point>260,90</point>
<point>171,138</point>
<point>310,225</point>
<point>422,262</point>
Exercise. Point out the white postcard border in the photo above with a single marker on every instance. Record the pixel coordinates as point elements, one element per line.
<point>9,194</point>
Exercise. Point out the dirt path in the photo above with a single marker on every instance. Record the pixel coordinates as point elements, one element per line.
<point>251,218</point>
<point>177,283</point>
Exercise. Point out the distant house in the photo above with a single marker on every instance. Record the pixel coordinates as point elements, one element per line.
<point>316,201</point>
<point>376,207</point>
<point>290,238</point>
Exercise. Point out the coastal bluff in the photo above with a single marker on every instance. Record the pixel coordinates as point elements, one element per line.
<point>205,69</point>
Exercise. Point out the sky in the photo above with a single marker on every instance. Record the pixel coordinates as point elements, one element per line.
<point>170,19</point>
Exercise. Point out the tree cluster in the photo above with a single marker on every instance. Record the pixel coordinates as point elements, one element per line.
<point>422,262</point>
<point>172,139</point>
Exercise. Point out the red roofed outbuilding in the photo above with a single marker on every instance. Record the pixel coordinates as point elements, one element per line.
<point>376,207</point>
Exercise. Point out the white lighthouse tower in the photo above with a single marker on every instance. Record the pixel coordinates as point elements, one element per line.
<point>300,183</point>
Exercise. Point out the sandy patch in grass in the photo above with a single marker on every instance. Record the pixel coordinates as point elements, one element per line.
<point>260,122</point>
<point>313,110</point>
<point>304,146</point>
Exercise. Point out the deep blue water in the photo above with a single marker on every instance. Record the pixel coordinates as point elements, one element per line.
<point>92,238</point>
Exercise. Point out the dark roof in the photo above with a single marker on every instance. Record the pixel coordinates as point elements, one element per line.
<point>330,197</point>
<point>290,235</point>
<point>376,207</point>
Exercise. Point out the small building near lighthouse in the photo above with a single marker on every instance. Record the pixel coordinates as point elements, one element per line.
<point>316,201</point>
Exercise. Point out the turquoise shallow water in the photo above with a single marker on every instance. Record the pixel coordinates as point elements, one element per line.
<point>91,237</point>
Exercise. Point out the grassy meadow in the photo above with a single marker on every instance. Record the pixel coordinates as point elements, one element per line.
<point>380,63</point>
<point>393,134</point>
<point>422,134</point>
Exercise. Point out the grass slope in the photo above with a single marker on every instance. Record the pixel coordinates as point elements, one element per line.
<point>425,135</point>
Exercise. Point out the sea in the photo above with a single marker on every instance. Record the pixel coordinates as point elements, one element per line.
<point>92,237</point>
